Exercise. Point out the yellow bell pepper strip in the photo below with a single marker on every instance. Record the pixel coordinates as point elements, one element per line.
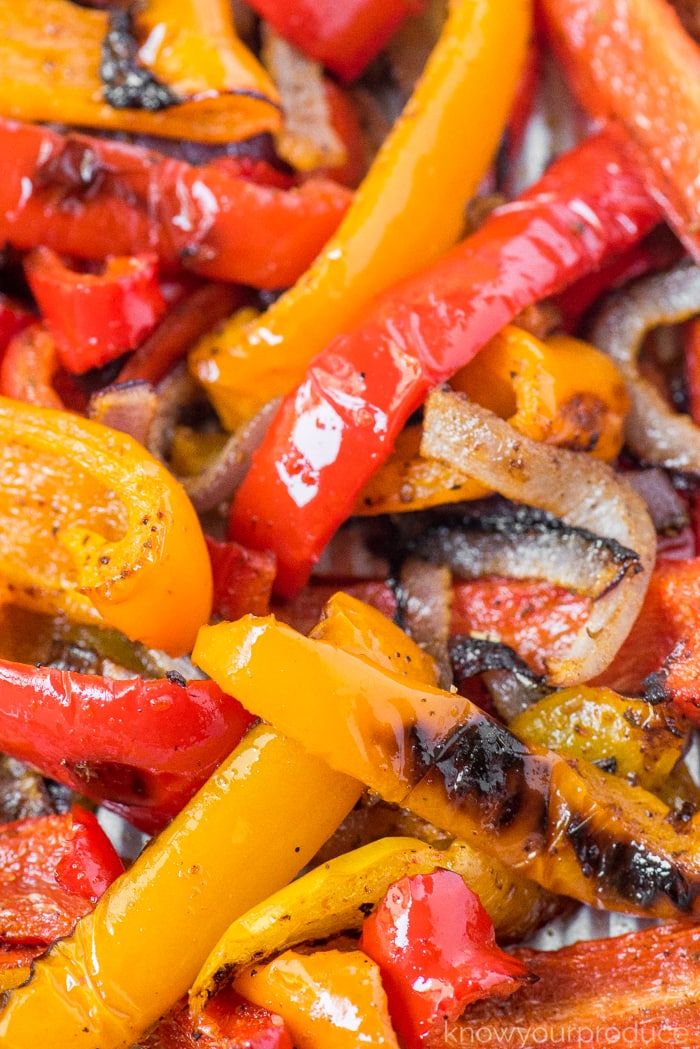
<point>398,221</point>
<point>93,527</point>
<point>628,737</point>
<point>328,999</point>
<point>52,54</point>
<point>336,896</point>
<point>562,391</point>
<point>248,832</point>
<point>564,823</point>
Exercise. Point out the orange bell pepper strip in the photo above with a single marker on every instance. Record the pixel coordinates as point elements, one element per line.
<point>561,822</point>
<point>52,51</point>
<point>631,62</point>
<point>93,527</point>
<point>562,391</point>
<point>328,999</point>
<point>398,221</point>
<point>252,827</point>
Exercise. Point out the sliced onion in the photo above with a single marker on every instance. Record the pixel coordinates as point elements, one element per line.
<point>493,537</point>
<point>513,686</point>
<point>654,431</point>
<point>308,139</point>
<point>353,553</point>
<point>583,492</point>
<point>217,483</point>
<point>129,406</point>
<point>427,609</point>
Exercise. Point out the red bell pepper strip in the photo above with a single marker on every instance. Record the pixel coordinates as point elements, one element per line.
<point>242,579</point>
<point>436,948</point>
<point>52,870</point>
<point>228,1022</point>
<point>95,318</point>
<point>340,424</point>
<point>343,36</point>
<point>632,62</point>
<point>639,991</point>
<point>142,748</point>
<point>28,368</point>
<point>75,194</point>
<point>192,316</point>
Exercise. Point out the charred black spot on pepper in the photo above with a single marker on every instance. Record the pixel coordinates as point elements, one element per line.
<point>470,656</point>
<point>483,762</point>
<point>128,84</point>
<point>631,870</point>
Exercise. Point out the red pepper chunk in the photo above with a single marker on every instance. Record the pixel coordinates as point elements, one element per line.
<point>343,36</point>
<point>13,318</point>
<point>142,748</point>
<point>95,318</point>
<point>340,424</point>
<point>228,1022</point>
<point>436,948</point>
<point>76,194</point>
<point>242,579</point>
<point>52,870</point>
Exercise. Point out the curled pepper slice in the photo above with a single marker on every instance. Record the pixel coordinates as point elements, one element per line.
<point>92,526</point>
<point>398,222</point>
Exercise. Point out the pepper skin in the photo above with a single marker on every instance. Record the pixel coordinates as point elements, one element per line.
<point>13,318</point>
<point>242,579</point>
<point>95,318</point>
<point>79,730</point>
<point>436,948</point>
<point>562,822</point>
<point>52,870</point>
<point>76,194</point>
<point>328,999</point>
<point>345,37</point>
<point>398,222</point>
<point>255,823</point>
<point>632,63</point>
<point>50,52</point>
<point>107,534</point>
<point>333,432</point>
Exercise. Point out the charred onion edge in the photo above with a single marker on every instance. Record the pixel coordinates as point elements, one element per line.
<point>654,431</point>
<point>129,407</point>
<point>485,447</point>
<point>435,536</point>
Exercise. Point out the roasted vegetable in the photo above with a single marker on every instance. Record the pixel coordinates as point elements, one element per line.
<point>559,391</point>
<point>397,222</point>
<point>130,961</point>
<point>79,730</point>
<point>76,194</point>
<point>587,207</point>
<point>106,533</point>
<point>336,896</point>
<point>94,318</point>
<point>566,824</point>
<point>436,948</point>
<point>191,79</point>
